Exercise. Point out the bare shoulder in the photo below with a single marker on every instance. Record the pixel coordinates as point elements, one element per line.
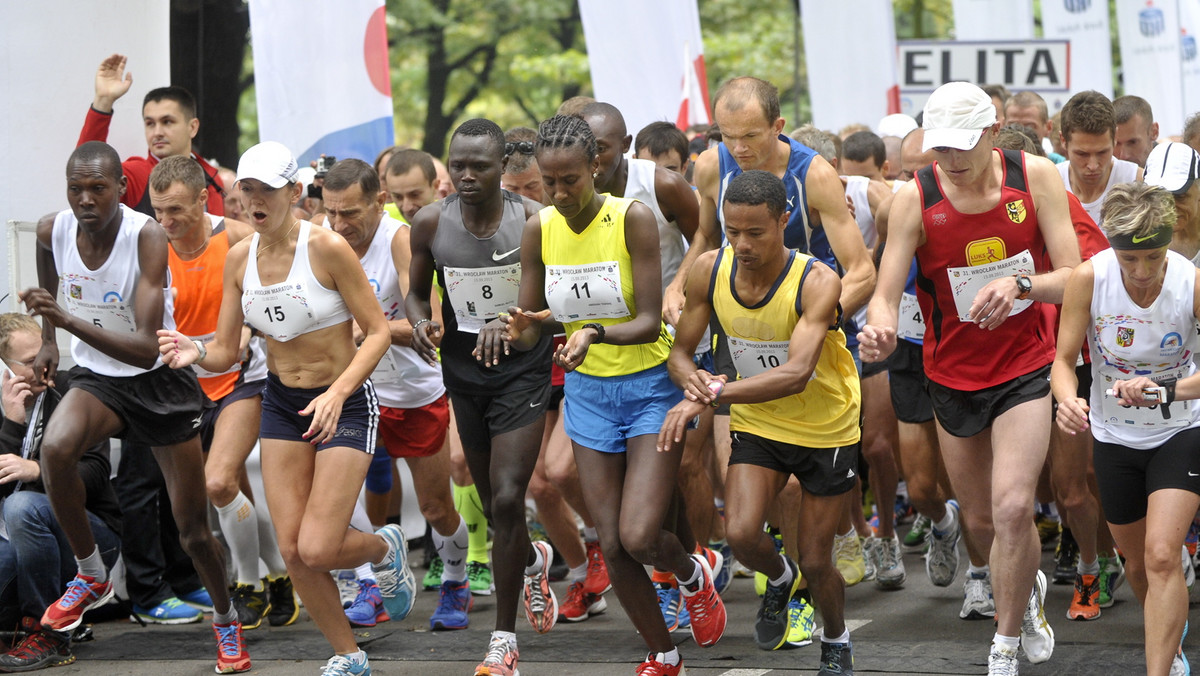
<point>237,230</point>
<point>708,167</point>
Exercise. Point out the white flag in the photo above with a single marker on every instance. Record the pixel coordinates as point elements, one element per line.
<point>1085,24</point>
<point>647,59</point>
<point>993,20</point>
<point>1150,58</point>
<point>856,84</point>
<point>321,77</point>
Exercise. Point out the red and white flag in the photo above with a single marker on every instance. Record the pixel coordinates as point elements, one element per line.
<point>693,100</point>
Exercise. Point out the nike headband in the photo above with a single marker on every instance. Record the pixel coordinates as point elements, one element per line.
<point>1155,240</point>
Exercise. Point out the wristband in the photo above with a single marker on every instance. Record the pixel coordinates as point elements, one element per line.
<point>201,349</point>
<point>599,330</point>
<point>420,322</point>
<point>716,387</point>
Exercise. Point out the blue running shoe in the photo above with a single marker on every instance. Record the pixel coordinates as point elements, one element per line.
<point>454,602</point>
<point>367,609</point>
<point>1180,666</point>
<point>199,598</point>
<point>724,576</point>
<point>171,611</point>
<point>340,665</point>
<point>396,580</point>
<point>670,603</point>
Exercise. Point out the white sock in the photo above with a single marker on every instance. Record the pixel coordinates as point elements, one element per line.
<point>240,527</point>
<point>364,572</point>
<point>1092,568</point>
<point>1009,642</point>
<point>947,521</point>
<point>590,534</point>
<point>453,550</point>
<point>268,546</point>
<point>972,569</point>
<point>844,638</point>
<point>227,617</point>
<point>357,657</point>
<point>538,562</point>
<point>578,573</point>
<point>93,566</point>
<point>359,519</point>
<point>671,657</point>
<point>785,579</point>
<point>692,578</point>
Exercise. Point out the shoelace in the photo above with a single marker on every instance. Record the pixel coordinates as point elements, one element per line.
<point>976,590</point>
<point>1085,591</point>
<point>775,597</point>
<point>887,555</point>
<point>453,601</point>
<point>1002,664</point>
<point>497,651</point>
<point>537,600</point>
<point>699,613</point>
<point>76,590</point>
<point>845,547</point>
<point>228,639</point>
<point>832,664</point>
<point>575,593</point>
<point>337,665</point>
<point>388,581</point>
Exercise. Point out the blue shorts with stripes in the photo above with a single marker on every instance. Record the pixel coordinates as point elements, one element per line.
<point>358,427</point>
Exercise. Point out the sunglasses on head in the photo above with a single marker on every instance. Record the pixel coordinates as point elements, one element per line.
<point>523,147</point>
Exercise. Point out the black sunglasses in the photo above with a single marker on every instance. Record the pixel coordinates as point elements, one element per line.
<point>523,147</point>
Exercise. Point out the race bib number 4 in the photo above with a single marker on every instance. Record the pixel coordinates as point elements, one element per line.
<point>965,283</point>
<point>752,357</point>
<point>912,323</point>
<point>479,294</point>
<point>582,292</point>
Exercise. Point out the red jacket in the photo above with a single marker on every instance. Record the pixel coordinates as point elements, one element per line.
<point>137,169</point>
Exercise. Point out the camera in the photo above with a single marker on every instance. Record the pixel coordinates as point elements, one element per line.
<point>324,163</point>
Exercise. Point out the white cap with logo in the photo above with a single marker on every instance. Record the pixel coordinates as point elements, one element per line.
<point>956,115</point>
<point>270,162</point>
<point>1173,167</point>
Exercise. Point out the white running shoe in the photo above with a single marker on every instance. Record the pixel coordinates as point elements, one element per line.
<point>1037,638</point>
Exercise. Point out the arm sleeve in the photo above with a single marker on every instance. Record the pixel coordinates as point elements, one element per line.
<point>95,126</point>
<point>12,435</point>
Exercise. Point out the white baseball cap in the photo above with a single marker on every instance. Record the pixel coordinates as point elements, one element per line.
<point>956,115</point>
<point>1172,166</point>
<point>896,124</point>
<point>270,162</point>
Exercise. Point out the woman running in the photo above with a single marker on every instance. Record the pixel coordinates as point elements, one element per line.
<point>300,286</point>
<point>1138,304</point>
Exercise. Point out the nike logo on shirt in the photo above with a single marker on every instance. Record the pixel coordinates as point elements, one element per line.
<point>497,256</point>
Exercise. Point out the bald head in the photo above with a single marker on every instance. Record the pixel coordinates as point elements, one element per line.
<point>741,91</point>
<point>100,155</point>
<point>912,159</point>
<point>606,112</point>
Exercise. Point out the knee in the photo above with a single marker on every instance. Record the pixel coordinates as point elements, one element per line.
<point>641,543</point>
<point>1075,499</point>
<point>316,556</point>
<point>508,506</point>
<point>221,489</point>
<point>815,563</point>
<point>1012,510</point>
<point>741,537</point>
<point>195,540</point>
<point>439,512</point>
<point>25,508</point>
<point>541,488</point>
<point>57,456</point>
<point>1164,558</point>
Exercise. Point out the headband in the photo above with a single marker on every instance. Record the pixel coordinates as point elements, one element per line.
<point>1155,240</point>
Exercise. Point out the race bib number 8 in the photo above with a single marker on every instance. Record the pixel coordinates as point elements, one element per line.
<point>479,294</point>
<point>582,292</point>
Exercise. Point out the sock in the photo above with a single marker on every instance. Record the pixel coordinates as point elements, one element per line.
<point>93,566</point>
<point>946,522</point>
<point>578,573</point>
<point>453,550</point>
<point>844,638</point>
<point>589,534</point>
<point>691,580</point>
<point>719,504</point>
<point>538,561</point>
<point>365,572</point>
<point>671,658</point>
<point>784,580</point>
<point>359,519</point>
<point>978,571</point>
<point>1010,643</point>
<point>268,546</point>
<point>240,527</point>
<point>468,504</point>
<point>1092,568</point>
<point>227,617</point>
<point>357,657</point>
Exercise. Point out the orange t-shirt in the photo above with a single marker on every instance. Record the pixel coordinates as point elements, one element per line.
<point>198,286</point>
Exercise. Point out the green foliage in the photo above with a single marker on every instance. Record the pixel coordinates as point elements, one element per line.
<point>755,38</point>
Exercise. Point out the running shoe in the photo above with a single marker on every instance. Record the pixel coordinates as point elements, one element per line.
<point>724,576</point>
<point>433,576</point>
<point>347,584</point>
<point>914,539</point>
<point>704,605</point>
<point>396,581</point>
<point>1037,638</point>
<point>1048,529</point>
<point>479,576</point>
<point>716,562</point>
<point>771,624</point>
<point>454,602</point>
<point>978,603</point>
<point>1189,569</point>
<point>1192,539</point>
<point>232,657</point>
<point>1085,603</point>
<point>801,621</point>
<point>652,667</point>
<point>1180,666</point>
<point>1066,558</point>
<point>340,665</point>
<point>501,658</point>
<point>38,650</point>
<point>1112,575</point>
<point>889,566</point>
<point>251,604</point>
<point>284,609</point>
<point>904,510</point>
<point>579,604</point>
<point>597,581</point>
<point>740,570</point>
<point>870,557</point>
<point>171,611</point>
<point>83,593</point>
<point>836,659</point>
<point>541,607</point>
<point>367,609</point>
<point>669,603</point>
<point>199,598</point>
<point>1002,662</point>
<point>848,557</point>
<point>941,563</point>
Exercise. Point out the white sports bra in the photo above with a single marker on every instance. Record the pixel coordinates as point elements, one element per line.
<point>300,304</point>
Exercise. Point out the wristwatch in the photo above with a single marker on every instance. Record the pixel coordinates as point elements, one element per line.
<point>1024,286</point>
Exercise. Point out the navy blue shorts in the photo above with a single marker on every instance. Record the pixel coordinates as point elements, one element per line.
<point>358,427</point>
<point>242,390</point>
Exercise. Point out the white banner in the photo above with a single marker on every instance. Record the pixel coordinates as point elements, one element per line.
<point>1150,58</point>
<point>1189,28</point>
<point>647,59</point>
<point>321,77</point>
<point>993,20</point>
<point>1085,24</point>
<point>850,85</point>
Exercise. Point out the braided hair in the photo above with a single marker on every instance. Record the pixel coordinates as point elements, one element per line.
<point>567,131</point>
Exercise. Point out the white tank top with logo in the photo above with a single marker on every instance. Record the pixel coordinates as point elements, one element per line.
<point>1123,171</point>
<point>104,296</point>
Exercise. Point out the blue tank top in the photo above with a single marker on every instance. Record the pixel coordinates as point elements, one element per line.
<point>795,235</point>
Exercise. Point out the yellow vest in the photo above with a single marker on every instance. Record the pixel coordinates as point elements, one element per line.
<point>826,413</point>
<point>589,278</point>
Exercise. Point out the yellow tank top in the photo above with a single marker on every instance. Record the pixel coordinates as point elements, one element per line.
<point>826,413</point>
<point>589,278</point>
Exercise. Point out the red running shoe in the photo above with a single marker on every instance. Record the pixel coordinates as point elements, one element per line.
<point>596,581</point>
<point>704,605</point>
<point>231,648</point>
<point>579,604</point>
<point>83,593</point>
<point>652,667</point>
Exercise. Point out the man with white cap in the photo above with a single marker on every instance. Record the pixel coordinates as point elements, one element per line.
<point>975,220</point>
<point>1175,168</point>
